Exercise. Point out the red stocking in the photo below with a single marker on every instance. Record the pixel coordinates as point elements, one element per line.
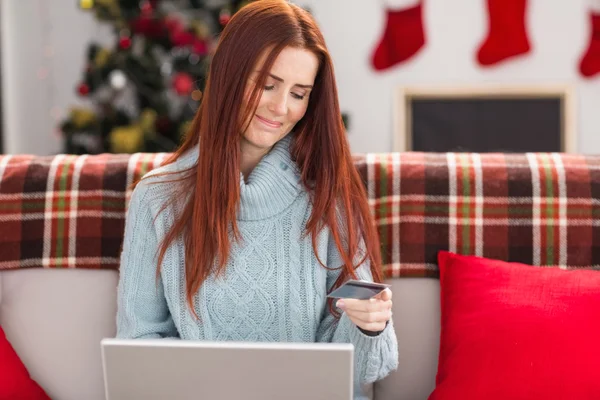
<point>402,38</point>
<point>507,36</point>
<point>590,62</point>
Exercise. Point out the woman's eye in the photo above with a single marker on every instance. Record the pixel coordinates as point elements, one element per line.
<point>297,96</point>
<point>269,87</point>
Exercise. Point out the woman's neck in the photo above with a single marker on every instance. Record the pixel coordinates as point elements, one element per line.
<point>250,157</point>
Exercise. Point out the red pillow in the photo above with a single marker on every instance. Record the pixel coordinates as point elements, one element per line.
<point>15,382</point>
<point>513,331</point>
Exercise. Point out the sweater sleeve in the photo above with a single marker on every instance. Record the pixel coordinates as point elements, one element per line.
<point>374,356</point>
<point>142,310</point>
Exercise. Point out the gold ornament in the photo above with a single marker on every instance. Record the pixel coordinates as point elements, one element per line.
<point>184,128</point>
<point>197,95</point>
<point>86,4</point>
<point>200,28</point>
<point>148,120</point>
<point>81,117</point>
<point>102,57</point>
<point>126,139</point>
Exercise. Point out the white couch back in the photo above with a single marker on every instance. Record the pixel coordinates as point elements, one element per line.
<point>55,320</point>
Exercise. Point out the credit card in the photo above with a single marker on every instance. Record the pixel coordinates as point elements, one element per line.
<point>361,290</point>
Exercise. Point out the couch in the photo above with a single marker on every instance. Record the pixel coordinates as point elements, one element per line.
<point>62,218</point>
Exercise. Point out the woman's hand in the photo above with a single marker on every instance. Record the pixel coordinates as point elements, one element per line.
<point>369,315</point>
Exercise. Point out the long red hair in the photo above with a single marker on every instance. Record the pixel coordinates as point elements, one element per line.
<point>320,149</point>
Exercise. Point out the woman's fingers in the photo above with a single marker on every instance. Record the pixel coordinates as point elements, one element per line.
<point>368,318</point>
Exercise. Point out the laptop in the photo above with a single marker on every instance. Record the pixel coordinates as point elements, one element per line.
<point>182,369</point>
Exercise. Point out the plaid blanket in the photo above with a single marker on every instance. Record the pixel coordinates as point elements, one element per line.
<point>68,211</point>
<point>535,208</point>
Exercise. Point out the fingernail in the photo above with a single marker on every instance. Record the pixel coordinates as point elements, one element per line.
<point>340,304</point>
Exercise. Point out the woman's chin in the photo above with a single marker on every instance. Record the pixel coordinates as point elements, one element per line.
<point>262,139</point>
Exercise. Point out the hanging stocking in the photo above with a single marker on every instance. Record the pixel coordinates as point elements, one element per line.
<point>507,35</point>
<point>590,61</point>
<point>403,35</point>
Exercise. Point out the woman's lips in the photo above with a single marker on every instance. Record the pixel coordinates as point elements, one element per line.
<point>268,122</point>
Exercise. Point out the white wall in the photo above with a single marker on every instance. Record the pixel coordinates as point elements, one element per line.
<point>558,32</point>
<point>44,44</point>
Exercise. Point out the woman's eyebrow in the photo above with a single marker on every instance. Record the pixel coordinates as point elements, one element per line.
<point>297,84</point>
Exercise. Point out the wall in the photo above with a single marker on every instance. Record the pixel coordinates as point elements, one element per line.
<point>558,30</point>
<point>44,44</point>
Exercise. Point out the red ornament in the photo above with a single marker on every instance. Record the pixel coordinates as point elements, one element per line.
<point>146,8</point>
<point>149,27</point>
<point>183,83</point>
<point>199,47</point>
<point>182,38</point>
<point>173,24</point>
<point>83,89</point>
<point>124,42</point>
<point>224,19</point>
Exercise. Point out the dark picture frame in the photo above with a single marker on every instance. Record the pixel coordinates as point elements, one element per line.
<point>485,118</point>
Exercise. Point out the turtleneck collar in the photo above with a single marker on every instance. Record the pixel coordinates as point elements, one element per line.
<point>271,187</point>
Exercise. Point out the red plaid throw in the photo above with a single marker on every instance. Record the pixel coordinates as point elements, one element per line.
<point>540,209</point>
<point>66,211</point>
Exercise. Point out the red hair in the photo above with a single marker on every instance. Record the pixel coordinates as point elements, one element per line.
<point>320,149</point>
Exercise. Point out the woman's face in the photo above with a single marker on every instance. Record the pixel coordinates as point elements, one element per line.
<point>284,99</point>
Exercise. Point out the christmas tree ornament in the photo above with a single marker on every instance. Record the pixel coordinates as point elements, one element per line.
<point>224,16</point>
<point>589,64</point>
<point>182,38</point>
<point>183,83</point>
<point>124,42</point>
<point>403,34</point>
<point>81,118</point>
<point>199,47</point>
<point>126,139</point>
<point>83,89</point>
<point>86,4</point>
<point>101,58</point>
<point>148,27</point>
<point>118,80</point>
<point>184,128</point>
<point>146,8</point>
<point>197,95</point>
<point>173,24</point>
<point>148,120</point>
<point>507,34</point>
<point>201,29</point>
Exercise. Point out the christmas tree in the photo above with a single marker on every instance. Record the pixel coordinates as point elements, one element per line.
<point>143,91</point>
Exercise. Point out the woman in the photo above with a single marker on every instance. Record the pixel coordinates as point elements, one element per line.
<point>260,213</point>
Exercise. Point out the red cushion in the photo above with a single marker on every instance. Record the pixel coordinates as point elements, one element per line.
<point>15,382</point>
<point>513,331</point>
